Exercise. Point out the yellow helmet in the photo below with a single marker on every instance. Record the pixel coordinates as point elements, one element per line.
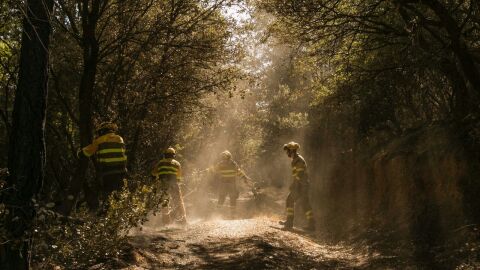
<point>107,126</point>
<point>170,150</point>
<point>291,146</point>
<point>226,154</point>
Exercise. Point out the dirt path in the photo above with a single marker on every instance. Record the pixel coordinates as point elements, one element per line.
<point>239,244</point>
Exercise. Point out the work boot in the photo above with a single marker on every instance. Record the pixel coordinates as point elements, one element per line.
<point>287,224</point>
<point>311,226</point>
<point>182,222</point>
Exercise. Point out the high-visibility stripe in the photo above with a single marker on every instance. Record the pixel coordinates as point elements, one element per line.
<point>228,171</point>
<point>111,150</point>
<point>166,172</point>
<point>289,210</point>
<point>108,160</point>
<point>168,168</point>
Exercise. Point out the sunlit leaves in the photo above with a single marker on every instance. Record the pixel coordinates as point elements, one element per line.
<point>368,58</point>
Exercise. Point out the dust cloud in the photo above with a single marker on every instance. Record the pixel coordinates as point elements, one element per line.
<point>226,130</point>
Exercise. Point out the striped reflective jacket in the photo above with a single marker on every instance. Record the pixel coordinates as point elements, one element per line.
<point>168,168</point>
<point>228,170</point>
<point>299,168</point>
<point>109,151</point>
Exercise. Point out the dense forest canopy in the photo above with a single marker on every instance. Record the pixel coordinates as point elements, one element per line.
<point>377,93</point>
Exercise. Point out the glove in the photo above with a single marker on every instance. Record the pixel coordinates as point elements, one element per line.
<point>80,153</point>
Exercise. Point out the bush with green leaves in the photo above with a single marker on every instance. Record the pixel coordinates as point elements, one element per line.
<point>87,238</point>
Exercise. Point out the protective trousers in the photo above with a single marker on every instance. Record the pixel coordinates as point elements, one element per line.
<point>111,183</point>
<point>299,194</point>
<point>176,201</point>
<point>227,188</point>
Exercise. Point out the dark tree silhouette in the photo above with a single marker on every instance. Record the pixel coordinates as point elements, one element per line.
<point>26,157</point>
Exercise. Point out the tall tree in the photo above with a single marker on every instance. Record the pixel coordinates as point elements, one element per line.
<point>90,15</point>
<point>134,54</point>
<point>26,157</point>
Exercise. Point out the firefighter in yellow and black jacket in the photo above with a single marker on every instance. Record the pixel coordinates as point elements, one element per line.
<point>227,172</point>
<point>169,171</point>
<point>108,149</point>
<point>299,188</point>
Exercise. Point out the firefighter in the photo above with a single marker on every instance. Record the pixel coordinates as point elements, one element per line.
<point>298,189</point>
<point>109,150</point>
<point>169,171</point>
<point>227,171</point>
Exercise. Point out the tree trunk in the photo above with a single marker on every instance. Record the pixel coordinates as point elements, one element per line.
<point>87,84</point>
<point>462,104</point>
<point>26,156</point>
<point>85,127</point>
<point>458,46</point>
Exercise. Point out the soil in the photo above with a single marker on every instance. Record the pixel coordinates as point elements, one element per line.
<point>252,238</point>
<point>257,243</point>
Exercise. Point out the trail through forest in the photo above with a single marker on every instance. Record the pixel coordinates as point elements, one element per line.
<point>257,243</point>
<point>250,240</point>
<point>379,98</point>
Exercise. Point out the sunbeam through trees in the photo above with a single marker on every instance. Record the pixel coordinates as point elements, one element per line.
<point>239,134</point>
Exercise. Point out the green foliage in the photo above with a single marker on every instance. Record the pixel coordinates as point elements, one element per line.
<point>378,66</point>
<point>158,59</point>
<point>85,238</point>
<point>372,71</point>
<point>333,75</point>
<point>157,62</point>
<point>10,25</point>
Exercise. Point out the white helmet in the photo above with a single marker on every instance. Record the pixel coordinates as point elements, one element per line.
<point>291,146</point>
<point>226,154</point>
